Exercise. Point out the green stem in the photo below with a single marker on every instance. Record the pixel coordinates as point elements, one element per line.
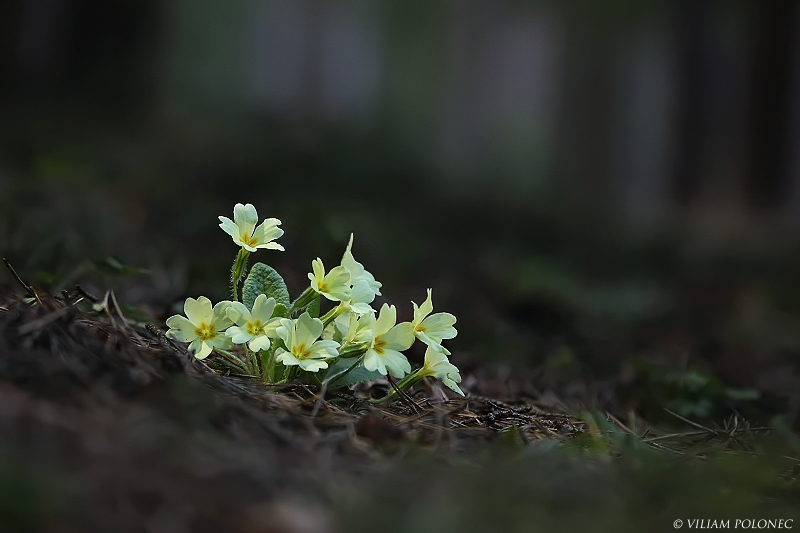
<point>291,373</point>
<point>237,272</point>
<point>306,298</point>
<point>230,366</point>
<point>328,317</point>
<point>267,363</point>
<point>252,359</point>
<point>232,359</point>
<point>402,385</point>
<point>354,350</point>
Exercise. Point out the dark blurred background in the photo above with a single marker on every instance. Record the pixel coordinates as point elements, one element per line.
<point>606,194</point>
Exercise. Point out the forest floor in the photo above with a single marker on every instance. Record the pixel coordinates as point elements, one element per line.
<point>611,385</point>
<point>108,426</point>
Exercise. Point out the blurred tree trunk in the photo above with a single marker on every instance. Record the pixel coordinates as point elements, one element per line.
<point>585,136</point>
<point>767,179</point>
<point>693,20</point>
<point>734,95</point>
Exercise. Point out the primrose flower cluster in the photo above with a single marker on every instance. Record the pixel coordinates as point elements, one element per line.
<point>282,340</point>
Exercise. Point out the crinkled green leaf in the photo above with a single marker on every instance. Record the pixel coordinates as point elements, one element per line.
<point>264,279</point>
<point>280,310</point>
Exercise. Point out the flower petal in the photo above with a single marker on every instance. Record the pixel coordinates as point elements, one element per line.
<point>324,349</point>
<point>238,335</point>
<point>230,227</point>
<point>270,329</point>
<point>181,329</point>
<point>286,358</point>
<point>262,342</point>
<point>361,308</point>
<point>267,231</point>
<point>358,273</point>
<point>452,385</point>
<point>263,308</point>
<point>396,363</point>
<point>438,321</point>
<point>246,217</point>
<point>307,330</point>
<point>400,337</point>
<point>433,358</point>
<point>319,272</point>
<point>220,315</point>
<point>338,294</point>
<point>313,365</point>
<point>349,262</point>
<point>438,366</point>
<point>220,341</point>
<point>338,277</point>
<point>373,362</point>
<point>386,320</point>
<point>440,326</point>
<point>362,292</point>
<point>238,313</point>
<point>337,285</point>
<point>423,310</point>
<point>202,349</point>
<point>198,311</point>
<point>286,331</point>
<point>273,246</point>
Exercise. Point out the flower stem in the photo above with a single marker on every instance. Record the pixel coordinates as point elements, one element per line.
<point>306,298</point>
<point>230,366</point>
<point>267,358</point>
<point>354,350</point>
<point>328,317</point>
<point>237,272</point>
<point>403,385</point>
<point>252,359</point>
<point>232,360</point>
<point>291,373</point>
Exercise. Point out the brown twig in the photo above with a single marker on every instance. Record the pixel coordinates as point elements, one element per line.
<point>29,289</point>
<point>89,296</point>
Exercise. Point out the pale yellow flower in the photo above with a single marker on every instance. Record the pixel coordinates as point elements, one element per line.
<point>204,328</point>
<point>363,282</point>
<point>334,286</point>
<point>438,366</point>
<point>244,232</point>
<point>432,329</point>
<point>254,327</point>
<point>388,340</point>
<point>302,347</point>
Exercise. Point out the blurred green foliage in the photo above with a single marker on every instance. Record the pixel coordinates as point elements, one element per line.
<point>605,482</point>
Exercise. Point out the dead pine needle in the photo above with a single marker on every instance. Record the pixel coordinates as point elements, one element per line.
<point>28,288</point>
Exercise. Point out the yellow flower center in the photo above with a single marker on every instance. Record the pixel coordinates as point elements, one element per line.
<point>300,352</point>
<point>205,331</point>
<point>420,328</point>
<point>255,328</point>
<point>379,345</point>
<point>249,240</point>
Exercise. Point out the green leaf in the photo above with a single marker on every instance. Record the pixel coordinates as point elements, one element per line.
<point>313,308</point>
<point>358,375</point>
<point>280,310</point>
<point>264,279</point>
